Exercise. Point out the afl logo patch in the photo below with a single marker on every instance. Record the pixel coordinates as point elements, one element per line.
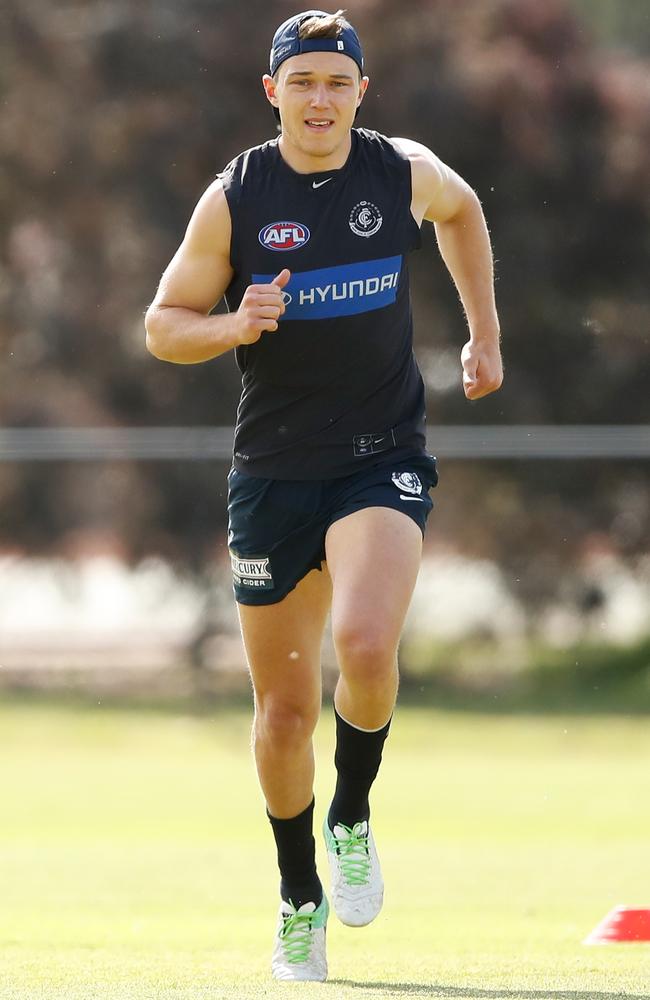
<point>365,219</point>
<point>407,481</point>
<point>284,236</point>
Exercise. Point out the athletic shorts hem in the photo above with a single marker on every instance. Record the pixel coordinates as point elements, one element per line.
<point>265,598</point>
<point>411,513</point>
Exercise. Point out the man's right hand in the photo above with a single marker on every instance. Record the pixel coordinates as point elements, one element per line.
<point>260,309</point>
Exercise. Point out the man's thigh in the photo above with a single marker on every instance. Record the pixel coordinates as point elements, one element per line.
<point>373,556</point>
<point>374,546</point>
<point>283,641</point>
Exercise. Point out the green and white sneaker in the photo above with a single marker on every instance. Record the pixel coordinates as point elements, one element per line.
<point>299,949</point>
<point>357,884</point>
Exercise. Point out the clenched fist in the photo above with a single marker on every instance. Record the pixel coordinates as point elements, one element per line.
<point>260,309</point>
<point>482,368</point>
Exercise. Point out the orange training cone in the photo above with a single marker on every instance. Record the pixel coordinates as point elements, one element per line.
<point>623,923</point>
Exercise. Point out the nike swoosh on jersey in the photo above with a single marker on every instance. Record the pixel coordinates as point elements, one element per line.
<point>319,184</point>
<point>418,499</point>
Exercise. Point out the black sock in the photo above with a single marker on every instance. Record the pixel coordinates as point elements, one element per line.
<point>299,882</point>
<point>357,759</point>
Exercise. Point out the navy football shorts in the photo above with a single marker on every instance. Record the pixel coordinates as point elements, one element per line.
<point>277,527</point>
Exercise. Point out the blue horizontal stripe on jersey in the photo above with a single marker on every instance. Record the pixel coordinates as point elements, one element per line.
<point>345,290</point>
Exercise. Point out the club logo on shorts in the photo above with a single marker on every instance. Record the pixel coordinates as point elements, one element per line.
<point>365,219</point>
<point>249,571</point>
<point>284,236</point>
<point>407,481</point>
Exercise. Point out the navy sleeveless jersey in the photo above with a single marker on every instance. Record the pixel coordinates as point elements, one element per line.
<point>336,387</point>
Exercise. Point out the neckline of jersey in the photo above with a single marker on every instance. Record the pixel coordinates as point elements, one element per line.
<point>308,179</point>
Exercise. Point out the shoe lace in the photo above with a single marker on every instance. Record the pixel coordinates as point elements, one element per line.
<point>296,937</point>
<point>353,854</point>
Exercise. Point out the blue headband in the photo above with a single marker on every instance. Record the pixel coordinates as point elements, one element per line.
<point>287,43</point>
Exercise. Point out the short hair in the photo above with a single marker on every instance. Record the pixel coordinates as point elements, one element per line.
<point>323,25</point>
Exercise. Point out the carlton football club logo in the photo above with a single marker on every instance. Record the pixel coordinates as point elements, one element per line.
<point>365,219</point>
<point>284,236</point>
<point>407,481</point>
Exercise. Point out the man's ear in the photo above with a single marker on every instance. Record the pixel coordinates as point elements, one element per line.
<point>363,86</point>
<point>270,88</point>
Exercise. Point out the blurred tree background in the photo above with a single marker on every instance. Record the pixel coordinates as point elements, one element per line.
<point>116,116</point>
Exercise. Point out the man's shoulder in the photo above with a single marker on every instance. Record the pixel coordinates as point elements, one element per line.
<point>411,148</point>
<point>381,146</point>
<point>425,166</point>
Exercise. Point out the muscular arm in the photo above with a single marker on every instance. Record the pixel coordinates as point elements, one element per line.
<point>442,197</point>
<point>179,327</point>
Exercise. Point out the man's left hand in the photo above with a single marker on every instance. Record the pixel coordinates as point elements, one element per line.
<point>482,368</point>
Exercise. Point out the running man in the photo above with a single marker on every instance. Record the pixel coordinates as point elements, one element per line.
<point>307,237</point>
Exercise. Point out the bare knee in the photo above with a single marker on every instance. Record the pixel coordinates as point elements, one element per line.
<point>368,652</point>
<point>282,723</point>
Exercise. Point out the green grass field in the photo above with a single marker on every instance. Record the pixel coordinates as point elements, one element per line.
<point>136,861</point>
